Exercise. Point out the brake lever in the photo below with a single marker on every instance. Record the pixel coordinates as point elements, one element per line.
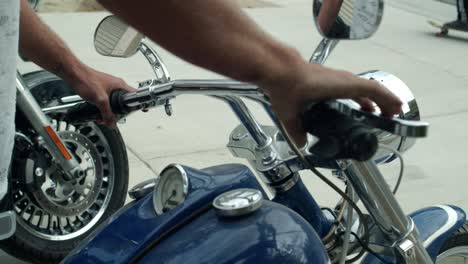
<point>394,125</point>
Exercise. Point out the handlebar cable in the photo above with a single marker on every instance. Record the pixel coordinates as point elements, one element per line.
<point>395,189</point>
<point>329,183</point>
<point>366,248</point>
<point>402,166</point>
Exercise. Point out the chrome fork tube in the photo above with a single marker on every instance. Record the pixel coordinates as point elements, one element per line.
<point>42,126</point>
<point>379,200</point>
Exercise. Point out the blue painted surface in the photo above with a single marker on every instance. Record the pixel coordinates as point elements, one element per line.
<point>427,217</point>
<point>121,237</point>
<point>428,221</point>
<point>273,234</point>
<point>300,200</point>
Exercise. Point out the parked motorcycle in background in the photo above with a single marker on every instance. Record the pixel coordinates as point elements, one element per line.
<point>221,214</point>
<point>66,177</point>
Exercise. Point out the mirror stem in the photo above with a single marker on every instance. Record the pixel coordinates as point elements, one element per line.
<point>155,61</point>
<point>323,50</point>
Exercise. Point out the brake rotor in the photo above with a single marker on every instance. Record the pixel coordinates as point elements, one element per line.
<point>63,197</point>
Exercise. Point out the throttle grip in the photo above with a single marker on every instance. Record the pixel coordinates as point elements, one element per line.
<point>85,112</point>
<point>340,137</point>
<point>117,104</point>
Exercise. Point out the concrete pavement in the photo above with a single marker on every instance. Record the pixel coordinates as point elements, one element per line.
<point>452,2</point>
<point>196,135</point>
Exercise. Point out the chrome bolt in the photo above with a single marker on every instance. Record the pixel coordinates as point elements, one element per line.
<point>80,173</point>
<point>274,171</point>
<point>40,141</point>
<point>39,172</point>
<point>269,159</point>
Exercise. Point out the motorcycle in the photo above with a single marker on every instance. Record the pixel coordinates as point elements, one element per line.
<point>66,177</point>
<point>222,214</point>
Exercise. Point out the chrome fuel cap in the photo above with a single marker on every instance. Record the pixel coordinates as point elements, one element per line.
<point>238,202</point>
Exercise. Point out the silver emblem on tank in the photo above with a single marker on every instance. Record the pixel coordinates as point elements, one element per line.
<point>238,202</point>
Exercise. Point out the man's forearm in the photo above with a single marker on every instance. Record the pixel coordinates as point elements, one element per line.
<point>210,33</point>
<point>42,46</point>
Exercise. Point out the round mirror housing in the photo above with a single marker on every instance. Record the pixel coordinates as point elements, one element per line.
<point>347,19</point>
<point>115,38</point>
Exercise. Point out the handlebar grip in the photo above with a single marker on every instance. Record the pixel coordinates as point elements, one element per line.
<point>117,104</point>
<point>340,137</point>
<point>85,111</point>
<point>362,144</point>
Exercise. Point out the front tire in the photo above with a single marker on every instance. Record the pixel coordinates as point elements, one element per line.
<point>455,249</point>
<point>49,226</point>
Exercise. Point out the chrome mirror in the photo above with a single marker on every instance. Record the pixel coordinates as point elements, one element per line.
<point>347,19</point>
<point>115,38</point>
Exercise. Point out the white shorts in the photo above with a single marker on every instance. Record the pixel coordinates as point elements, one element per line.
<point>9,27</point>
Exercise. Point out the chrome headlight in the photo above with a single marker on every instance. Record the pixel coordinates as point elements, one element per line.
<point>171,188</point>
<point>410,112</point>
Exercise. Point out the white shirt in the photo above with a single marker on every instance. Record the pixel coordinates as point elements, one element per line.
<point>9,27</point>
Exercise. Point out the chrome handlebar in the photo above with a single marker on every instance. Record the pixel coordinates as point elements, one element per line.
<point>169,90</point>
<point>223,89</point>
<point>227,90</point>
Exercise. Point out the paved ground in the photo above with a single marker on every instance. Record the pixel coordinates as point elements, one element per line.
<point>452,2</point>
<point>196,135</point>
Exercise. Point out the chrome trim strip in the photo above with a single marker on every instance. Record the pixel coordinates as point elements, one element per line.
<point>71,99</point>
<point>451,221</point>
<point>59,108</point>
<point>184,177</point>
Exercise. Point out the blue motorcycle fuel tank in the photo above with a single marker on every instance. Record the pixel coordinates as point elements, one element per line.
<point>272,234</point>
<point>193,233</point>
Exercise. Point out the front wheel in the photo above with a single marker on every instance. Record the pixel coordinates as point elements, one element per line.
<point>53,214</point>
<point>455,249</point>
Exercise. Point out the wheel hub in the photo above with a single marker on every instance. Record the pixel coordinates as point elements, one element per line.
<point>52,207</point>
<point>63,197</point>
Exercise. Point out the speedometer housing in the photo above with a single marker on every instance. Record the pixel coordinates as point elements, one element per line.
<point>171,188</point>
